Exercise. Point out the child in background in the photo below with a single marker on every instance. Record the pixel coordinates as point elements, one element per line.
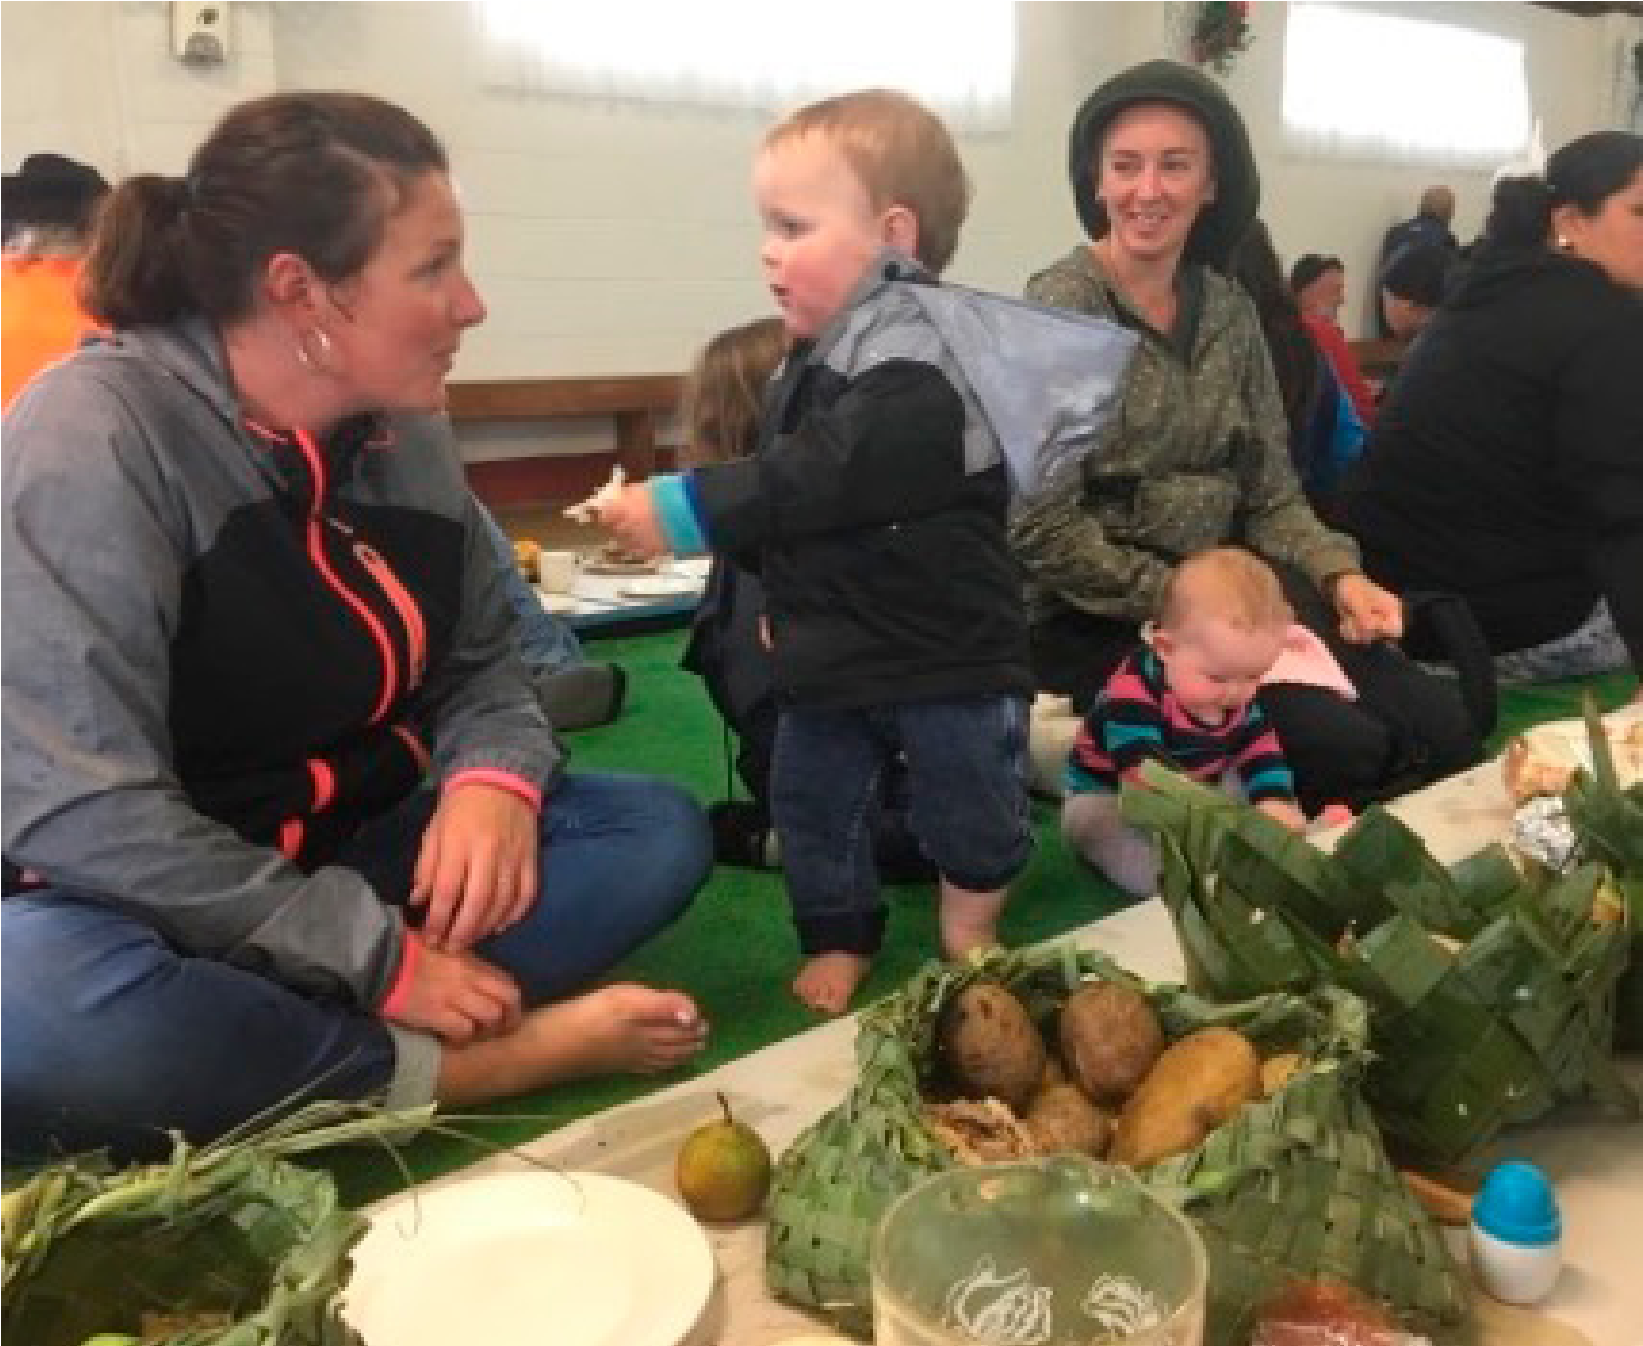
<point>876,508</point>
<point>722,406</point>
<point>723,397</point>
<point>1187,699</point>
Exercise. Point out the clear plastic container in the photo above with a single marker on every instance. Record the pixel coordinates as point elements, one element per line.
<point>1050,1252</point>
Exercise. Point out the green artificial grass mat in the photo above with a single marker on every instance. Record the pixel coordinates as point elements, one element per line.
<point>1529,704</point>
<point>734,949</point>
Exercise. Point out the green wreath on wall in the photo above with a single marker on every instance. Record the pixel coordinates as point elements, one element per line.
<point>1220,30</point>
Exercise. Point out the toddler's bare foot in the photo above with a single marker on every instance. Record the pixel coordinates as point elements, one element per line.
<point>623,1029</point>
<point>827,981</point>
<point>969,919</point>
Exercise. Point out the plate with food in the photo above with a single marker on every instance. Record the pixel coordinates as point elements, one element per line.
<point>615,559</point>
<point>578,1259</point>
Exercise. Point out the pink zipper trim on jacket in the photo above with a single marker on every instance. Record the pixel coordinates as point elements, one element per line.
<point>316,553</point>
<point>290,842</point>
<point>323,780</point>
<point>414,746</point>
<point>405,605</point>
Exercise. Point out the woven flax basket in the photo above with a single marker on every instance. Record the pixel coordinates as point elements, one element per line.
<point>227,1244</point>
<point>1490,991</point>
<point>1296,1185</point>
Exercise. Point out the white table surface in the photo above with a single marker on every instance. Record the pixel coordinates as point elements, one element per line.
<point>1596,1163</point>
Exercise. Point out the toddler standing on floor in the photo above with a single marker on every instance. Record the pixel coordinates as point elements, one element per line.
<point>1185,698</point>
<point>875,508</point>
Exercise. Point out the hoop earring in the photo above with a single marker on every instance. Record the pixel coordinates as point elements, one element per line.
<point>317,360</point>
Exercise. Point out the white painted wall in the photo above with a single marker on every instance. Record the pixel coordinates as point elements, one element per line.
<point>613,239</point>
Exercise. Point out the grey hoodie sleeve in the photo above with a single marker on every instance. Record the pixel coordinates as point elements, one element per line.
<point>97,536</point>
<point>478,708</point>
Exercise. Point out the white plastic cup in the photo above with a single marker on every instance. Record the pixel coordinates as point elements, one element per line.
<point>556,571</point>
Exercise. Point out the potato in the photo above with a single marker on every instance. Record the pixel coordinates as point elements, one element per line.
<point>1061,1121</point>
<point>1110,1039</point>
<point>992,1045</point>
<point>1198,1083</point>
<point>1054,1072</point>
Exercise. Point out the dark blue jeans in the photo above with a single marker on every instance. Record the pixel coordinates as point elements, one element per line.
<point>109,1034</point>
<point>966,804</point>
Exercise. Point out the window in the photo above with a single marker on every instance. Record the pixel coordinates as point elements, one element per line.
<point>739,54</point>
<point>1363,85</point>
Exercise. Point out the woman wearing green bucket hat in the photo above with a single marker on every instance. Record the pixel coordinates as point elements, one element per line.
<point>1165,184</point>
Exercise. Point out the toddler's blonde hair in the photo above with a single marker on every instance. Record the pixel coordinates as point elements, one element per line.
<point>1231,585</point>
<point>901,152</point>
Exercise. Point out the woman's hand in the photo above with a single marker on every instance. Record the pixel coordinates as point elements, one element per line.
<point>477,870</point>
<point>631,514</point>
<point>1367,611</point>
<point>456,996</point>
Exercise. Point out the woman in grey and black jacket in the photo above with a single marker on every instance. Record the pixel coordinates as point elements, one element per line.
<point>279,802</point>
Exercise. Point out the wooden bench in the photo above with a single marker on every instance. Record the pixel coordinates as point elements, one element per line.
<point>636,404</point>
<point>1378,357</point>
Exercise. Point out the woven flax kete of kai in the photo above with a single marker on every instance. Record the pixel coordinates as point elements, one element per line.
<point>1491,991</point>
<point>1294,1186</point>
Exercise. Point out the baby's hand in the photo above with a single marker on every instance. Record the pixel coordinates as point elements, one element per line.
<point>1285,812</point>
<point>592,509</point>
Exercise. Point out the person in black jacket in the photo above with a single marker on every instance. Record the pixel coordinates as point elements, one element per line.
<point>1507,464</point>
<point>876,508</point>
<point>1428,227</point>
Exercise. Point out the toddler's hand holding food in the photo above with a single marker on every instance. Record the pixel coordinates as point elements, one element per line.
<point>630,514</point>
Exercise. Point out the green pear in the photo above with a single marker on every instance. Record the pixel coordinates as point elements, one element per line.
<point>723,1170</point>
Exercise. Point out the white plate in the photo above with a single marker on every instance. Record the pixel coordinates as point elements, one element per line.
<point>696,567</point>
<point>661,586</point>
<point>528,1259</point>
<point>555,602</point>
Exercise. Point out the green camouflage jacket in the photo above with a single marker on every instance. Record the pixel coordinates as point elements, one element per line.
<point>1196,455</point>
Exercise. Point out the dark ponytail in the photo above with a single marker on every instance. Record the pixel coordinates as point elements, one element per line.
<point>1584,173</point>
<point>315,174</point>
<point>135,271</point>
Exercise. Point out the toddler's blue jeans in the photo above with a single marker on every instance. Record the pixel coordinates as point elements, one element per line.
<point>966,805</point>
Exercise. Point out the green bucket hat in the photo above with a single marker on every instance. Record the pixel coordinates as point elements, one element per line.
<point>1237,181</point>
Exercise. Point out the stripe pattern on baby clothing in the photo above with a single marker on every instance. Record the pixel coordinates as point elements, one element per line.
<point>1137,718</point>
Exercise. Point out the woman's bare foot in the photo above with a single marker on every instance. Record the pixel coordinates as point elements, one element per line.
<point>827,981</point>
<point>624,1029</point>
<point>969,919</point>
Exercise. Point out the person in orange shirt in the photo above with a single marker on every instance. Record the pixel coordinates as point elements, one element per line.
<point>48,206</point>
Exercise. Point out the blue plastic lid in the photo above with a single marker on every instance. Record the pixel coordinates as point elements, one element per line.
<point>1516,1204</point>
